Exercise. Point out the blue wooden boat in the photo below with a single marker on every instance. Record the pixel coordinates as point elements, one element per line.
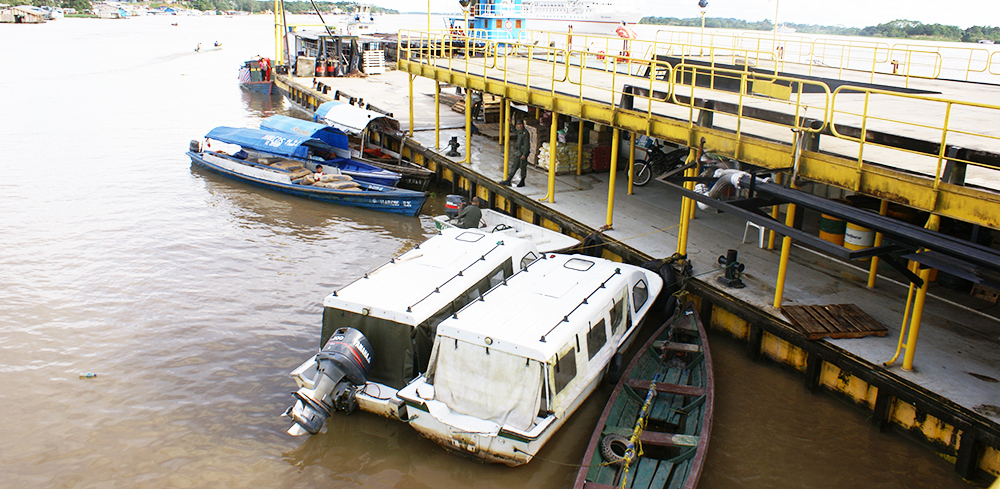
<point>282,162</point>
<point>654,431</point>
<point>338,143</point>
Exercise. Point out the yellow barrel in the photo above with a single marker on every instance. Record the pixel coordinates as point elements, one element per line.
<point>832,229</point>
<point>857,237</point>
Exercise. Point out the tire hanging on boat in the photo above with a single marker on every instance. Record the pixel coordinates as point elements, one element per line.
<point>611,445</point>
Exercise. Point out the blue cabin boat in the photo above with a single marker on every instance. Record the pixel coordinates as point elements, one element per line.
<point>493,20</point>
<point>338,143</point>
<point>284,162</point>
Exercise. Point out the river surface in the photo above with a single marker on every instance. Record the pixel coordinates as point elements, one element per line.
<point>192,297</point>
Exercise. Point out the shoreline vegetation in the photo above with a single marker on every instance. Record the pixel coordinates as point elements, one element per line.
<point>897,29</point>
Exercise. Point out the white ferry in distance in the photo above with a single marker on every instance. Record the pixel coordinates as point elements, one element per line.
<point>599,16</point>
<point>504,19</point>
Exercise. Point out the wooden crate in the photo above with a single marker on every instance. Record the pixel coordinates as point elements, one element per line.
<point>985,293</point>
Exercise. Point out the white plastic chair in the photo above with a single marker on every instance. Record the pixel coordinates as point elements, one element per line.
<point>761,231</point>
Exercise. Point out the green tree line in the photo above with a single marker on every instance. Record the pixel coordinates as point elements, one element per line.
<point>901,29</point>
<point>298,7</point>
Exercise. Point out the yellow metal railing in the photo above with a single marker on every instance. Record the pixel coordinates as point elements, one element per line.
<point>539,64</point>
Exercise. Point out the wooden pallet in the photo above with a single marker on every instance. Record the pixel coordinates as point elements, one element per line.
<point>833,321</point>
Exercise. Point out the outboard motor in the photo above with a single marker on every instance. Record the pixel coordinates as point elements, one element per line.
<point>342,369</point>
<point>453,204</point>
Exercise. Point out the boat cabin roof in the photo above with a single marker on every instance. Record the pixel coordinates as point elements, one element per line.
<point>354,120</point>
<point>419,283</point>
<point>274,142</point>
<point>329,135</point>
<point>539,310</point>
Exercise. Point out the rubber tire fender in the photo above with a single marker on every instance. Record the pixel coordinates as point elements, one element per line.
<point>608,444</point>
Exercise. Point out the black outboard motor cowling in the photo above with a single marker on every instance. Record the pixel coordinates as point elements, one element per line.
<point>453,204</point>
<point>342,369</point>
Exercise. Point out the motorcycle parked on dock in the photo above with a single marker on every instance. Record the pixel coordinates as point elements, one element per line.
<point>657,162</point>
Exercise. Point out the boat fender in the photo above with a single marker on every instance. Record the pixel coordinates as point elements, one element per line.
<point>613,448</point>
<point>614,371</point>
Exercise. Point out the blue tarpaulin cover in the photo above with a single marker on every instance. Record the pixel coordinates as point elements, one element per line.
<point>329,135</point>
<point>279,143</point>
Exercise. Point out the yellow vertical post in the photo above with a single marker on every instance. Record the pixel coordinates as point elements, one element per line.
<point>686,204</point>
<point>786,249</point>
<point>553,139</point>
<point>611,179</point>
<point>631,162</point>
<point>579,147</point>
<point>918,305</point>
<point>873,270</point>
<point>505,128</point>
<point>468,125</point>
<point>411,105</point>
<point>437,114</point>
<point>775,209</point>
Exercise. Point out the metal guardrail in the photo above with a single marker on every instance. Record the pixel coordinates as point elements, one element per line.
<point>542,64</point>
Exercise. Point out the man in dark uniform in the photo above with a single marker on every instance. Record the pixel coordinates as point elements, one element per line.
<point>470,215</point>
<point>519,154</point>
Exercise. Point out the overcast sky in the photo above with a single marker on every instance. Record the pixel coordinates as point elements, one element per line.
<point>849,13</point>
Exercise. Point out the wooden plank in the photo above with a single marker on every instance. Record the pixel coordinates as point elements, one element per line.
<point>667,388</point>
<point>667,439</point>
<point>663,474</point>
<point>644,471</point>
<point>833,321</point>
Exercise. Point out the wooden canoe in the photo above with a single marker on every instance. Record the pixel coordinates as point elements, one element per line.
<point>671,377</point>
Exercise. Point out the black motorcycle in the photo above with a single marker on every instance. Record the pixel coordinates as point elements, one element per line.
<point>657,162</point>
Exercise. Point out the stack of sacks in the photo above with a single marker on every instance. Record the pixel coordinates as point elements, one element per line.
<point>565,157</point>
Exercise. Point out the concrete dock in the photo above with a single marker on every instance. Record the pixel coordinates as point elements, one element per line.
<point>950,399</point>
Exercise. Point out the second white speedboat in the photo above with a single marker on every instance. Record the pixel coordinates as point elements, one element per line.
<point>509,369</point>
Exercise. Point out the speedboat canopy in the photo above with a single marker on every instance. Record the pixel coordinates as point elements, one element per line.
<point>328,134</point>
<point>354,120</point>
<point>279,143</point>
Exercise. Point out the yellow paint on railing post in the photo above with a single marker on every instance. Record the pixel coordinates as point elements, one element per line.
<point>579,149</point>
<point>873,269</point>
<point>631,161</point>
<point>437,114</point>
<point>553,137</point>
<point>918,305</point>
<point>468,125</point>
<point>786,249</point>
<point>611,177</point>
<point>410,130</point>
<point>505,132</point>
<point>775,210</point>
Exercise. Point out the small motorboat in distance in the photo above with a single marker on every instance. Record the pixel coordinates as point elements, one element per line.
<point>255,75</point>
<point>495,222</point>
<point>509,369</point>
<point>283,162</point>
<point>655,428</point>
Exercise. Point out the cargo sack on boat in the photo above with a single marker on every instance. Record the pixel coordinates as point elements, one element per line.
<point>286,165</point>
<point>298,174</point>
<point>307,180</point>
<point>333,177</point>
<point>342,185</point>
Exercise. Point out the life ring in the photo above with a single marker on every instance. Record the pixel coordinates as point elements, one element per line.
<point>611,445</point>
<point>600,55</point>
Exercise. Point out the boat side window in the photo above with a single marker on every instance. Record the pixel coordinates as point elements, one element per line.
<point>565,369</point>
<point>639,294</point>
<point>618,312</point>
<point>528,259</point>
<point>596,338</point>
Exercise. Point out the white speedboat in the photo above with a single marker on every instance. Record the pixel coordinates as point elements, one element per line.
<point>508,370</point>
<point>495,222</point>
<point>396,309</point>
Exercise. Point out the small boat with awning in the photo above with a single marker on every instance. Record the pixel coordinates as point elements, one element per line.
<point>288,163</point>
<point>255,75</point>
<point>338,141</point>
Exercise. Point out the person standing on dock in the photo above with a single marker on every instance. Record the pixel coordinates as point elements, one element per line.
<point>521,150</point>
